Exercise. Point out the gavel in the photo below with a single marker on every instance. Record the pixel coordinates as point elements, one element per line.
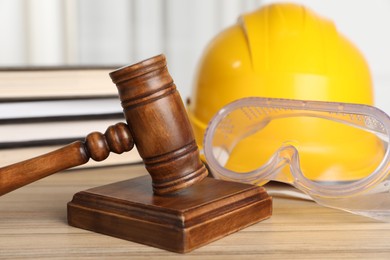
<point>174,208</point>
<point>156,123</point>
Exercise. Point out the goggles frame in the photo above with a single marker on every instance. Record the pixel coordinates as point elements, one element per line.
<point>364,117</point>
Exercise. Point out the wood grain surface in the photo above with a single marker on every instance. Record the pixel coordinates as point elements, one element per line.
<point>33,225</point>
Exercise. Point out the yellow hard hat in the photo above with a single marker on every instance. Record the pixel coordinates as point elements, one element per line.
<point>279,51</point>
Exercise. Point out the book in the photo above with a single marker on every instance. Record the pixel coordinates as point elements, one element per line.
<point>32,128</point>
<point>52,110</point>
<point>34,122</point>
<point>15,155</point>
<point>20,135</point>
<point>22,141</point>
<point>40,83</point>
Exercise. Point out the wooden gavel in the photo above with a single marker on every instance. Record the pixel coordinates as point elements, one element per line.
<point>156,123</point>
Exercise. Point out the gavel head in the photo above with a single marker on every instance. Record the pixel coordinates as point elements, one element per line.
<point>159,125</point>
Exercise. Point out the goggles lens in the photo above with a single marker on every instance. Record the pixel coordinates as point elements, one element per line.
<point>325,149</point>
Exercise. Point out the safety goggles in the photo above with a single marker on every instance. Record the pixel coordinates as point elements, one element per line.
<point>337,153</point>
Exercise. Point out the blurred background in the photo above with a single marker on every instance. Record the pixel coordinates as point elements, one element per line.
<point>104,32</point>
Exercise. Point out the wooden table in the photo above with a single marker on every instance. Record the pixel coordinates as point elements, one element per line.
<point>33,225</point>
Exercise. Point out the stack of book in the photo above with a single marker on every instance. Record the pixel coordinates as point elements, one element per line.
<point>43,109</point>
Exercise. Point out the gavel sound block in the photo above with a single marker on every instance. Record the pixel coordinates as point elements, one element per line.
<point>176,207</point>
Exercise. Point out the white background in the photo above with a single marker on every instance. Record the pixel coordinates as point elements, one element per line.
<point>69,32</point>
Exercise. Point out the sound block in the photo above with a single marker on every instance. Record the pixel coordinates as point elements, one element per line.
<point>180,222</point>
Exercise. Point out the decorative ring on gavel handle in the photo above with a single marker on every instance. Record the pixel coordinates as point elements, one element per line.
<point>116,139</point>
<point>97,146</point>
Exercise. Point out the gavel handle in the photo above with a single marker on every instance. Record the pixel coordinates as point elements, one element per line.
<point>97,146</point>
